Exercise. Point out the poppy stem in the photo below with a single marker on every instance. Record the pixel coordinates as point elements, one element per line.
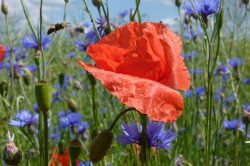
<point>119,116</point>
<point>46,143</point>
<point>144,153</point>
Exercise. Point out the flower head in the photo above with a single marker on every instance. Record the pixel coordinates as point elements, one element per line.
<point>30,42</point>
<point>233,125</point>
<point>24,118</point>
<point>2,52</point>
<point>70,119</point>
<point>157,136</point>
<point>139,58</point>
<point>235,62</point>
<point>203,7</point>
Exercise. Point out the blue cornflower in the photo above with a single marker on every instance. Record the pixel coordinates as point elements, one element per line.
<point>246,108</point>
<point>70,119</point>
<point>193,35</point>
<point>218,94</point>
<point>200,91</point>
<point>246,81</point>
<point>30,42</point>
<point>190,56</point>
<point>188,94</point>
<point>82,127</point>
<point>203,7</point>
<point>36,108</point>
<point>222,70</point>
<point>196,72</point>
<point>71,55</point>
<point>85,163</point>
<point>157,136</point>
<point>24,118</point>
<point>123,14</point>
<point>233,125</point>
<point>235,62</point>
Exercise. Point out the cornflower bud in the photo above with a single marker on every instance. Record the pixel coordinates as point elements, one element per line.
<point>72,105</point>
<point>245,2</point>
<point>11,154</point>
<point>27,77</point>
<point>97,3</point>
<point>178,3</point>
<point>4,7</point>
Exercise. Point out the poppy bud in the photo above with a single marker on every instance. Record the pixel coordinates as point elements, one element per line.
<point>100,146</point>
<point>246,117</point>
<point>72,105</point>
<point>74,150</point>
<point>4,7</point>
<point>97,3</point>
<point>61,77</point>
<point>27,77</point>
<point>11,154</point>
<point>178,3</point>
<point>245,2</point>
<point>66,1</point>
<point>43,92</point>
<point>3,89</point>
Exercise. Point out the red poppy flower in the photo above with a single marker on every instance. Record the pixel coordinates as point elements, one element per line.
<point>141,64</point>
<point>60,159</point>
<point>2,52</point>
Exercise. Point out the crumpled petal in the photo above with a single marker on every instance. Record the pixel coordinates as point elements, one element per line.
<point>158,101</point>
<point>147,50</point>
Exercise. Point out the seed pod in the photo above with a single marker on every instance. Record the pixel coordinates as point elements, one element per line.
<point>72,105</point>
<point>43,92</point>
<point>100,146</point>
<point>74,150</point>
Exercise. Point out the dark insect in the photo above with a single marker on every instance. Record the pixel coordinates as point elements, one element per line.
<point>57,27</point>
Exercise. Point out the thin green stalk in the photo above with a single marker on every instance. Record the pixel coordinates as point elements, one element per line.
<point>40,40</point>
<point>136,10</point>
<point>106,14</point>
<point>28,20</point>
<point>91,19</point>
<point>40,136</point>
<point>144,153</point>
<point>119,116</point>
<point>24,93</point>
<point>46,143</point>
<point>11,54</point>
<point>94,108</point>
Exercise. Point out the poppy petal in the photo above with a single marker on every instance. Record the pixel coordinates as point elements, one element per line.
<point>147,50</point>
<point>2,52</point>
<point>176,74</point>
<point>158,101</point>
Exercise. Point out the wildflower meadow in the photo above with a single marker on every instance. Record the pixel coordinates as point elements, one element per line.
<point>110,88</point>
